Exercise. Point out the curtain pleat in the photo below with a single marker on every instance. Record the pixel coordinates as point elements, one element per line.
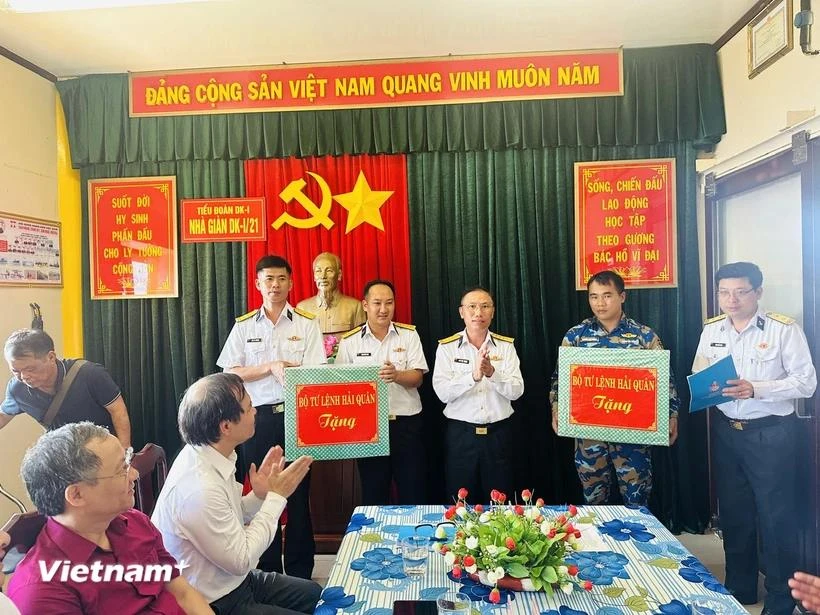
<point>155,348</point>
<point>671,94</point>
<point>504,220</point>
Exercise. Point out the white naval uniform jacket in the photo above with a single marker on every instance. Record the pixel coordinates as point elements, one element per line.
<point>255,340</point>
<point>771,352</point>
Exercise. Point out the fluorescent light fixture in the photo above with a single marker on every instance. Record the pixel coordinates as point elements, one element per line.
<point>54,6</point>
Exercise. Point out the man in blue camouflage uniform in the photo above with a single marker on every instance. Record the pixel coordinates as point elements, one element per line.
<point>609,327</point>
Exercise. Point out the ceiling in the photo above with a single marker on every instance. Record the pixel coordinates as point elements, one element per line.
<point>250,32</point>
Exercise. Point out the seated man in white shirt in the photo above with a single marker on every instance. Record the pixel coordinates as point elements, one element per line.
<point>205,520</point>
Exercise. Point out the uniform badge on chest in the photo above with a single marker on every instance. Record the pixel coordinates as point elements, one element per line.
<point>294,338</point>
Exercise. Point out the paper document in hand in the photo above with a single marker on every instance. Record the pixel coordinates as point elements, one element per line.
<point>707,385</point>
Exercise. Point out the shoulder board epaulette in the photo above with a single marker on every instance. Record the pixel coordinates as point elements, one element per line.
<point>786,320</point>
<point>352,332</point>
<point>401,325</point>
<point>714,319</point>
<point>246,316</point>
<point>304,313</point>
<point>503,338</point>
<point>452,338</point>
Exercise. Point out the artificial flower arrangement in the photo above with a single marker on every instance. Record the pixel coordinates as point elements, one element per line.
<point>331,344</point>
<point>515,546</point>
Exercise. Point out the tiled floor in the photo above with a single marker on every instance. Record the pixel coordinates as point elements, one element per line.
<point>706,547</point>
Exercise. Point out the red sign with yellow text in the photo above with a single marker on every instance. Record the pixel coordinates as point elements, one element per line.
<point>133,237</point>
<point>615,397</point>
<point>383,83</point>
<point>337,413</point>
<point>625,221</point>
<point>223,220</point>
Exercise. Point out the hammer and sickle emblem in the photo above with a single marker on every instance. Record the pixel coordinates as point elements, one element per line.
<point>319,213</point>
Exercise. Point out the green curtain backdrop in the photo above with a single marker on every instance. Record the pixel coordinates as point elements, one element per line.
<point>155,348</point>
<point>671,94</point>
<point>504,220</point>
<point>490,203</point>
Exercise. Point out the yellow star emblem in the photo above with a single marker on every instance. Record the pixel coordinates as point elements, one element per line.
<point>363,204</point>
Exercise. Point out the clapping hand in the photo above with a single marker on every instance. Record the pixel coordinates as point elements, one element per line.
<point>272,474</point>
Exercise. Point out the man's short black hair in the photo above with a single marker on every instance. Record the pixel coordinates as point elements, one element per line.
<point>607,278</point>
<point>740,270</point>
<point>473,289</point>
<point>208,402</point>
<point>272,260</point>
<point>377,282</point>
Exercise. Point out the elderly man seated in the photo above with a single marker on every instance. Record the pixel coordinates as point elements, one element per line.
<point>205,520</point>
<point>95,554</point>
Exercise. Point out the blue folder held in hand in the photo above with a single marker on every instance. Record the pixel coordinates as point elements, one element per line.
<point>705,387</point>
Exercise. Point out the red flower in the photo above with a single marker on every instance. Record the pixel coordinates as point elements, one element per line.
<point>460,504</point>
<point>495,596</point>
<point>562,519</point>
<point>539,502</point>
<point>510,543</point>
<point>539,519</point>
<point>572,569</point>
<point>494,495</point>
<point>462,494</point>
<point>457,571</point>
<point>469,560</point>
<point>502,497</point>
<point>526,495</point>
<point>551,533</point>
<point>588,585</point>
<point>459,534</point>
<point>444,549</point>
<point>478,508</point>
<point>519,510</point>
<point>569,529</point>
<point>450,513</point>
<point>577,533</point>
<point>573,510</point>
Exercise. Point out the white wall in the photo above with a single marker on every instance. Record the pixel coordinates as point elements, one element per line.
<point>757,109</point>
<point>28,186</point>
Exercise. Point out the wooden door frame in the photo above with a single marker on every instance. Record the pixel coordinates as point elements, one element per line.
<point>803,158</point>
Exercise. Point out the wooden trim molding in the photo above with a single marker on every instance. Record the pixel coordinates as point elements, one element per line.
<point>6,53</point>
<point>741,23</point>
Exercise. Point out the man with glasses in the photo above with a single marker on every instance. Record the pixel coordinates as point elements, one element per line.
<point>754,435</point>
<point>262,344</point>
<point>80,477</point>
<point>58,391</point>
<point>207,523</point>
<point>609,327</point>
<point>477,374</point>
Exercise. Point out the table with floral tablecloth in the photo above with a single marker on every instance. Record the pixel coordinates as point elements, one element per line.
<point>635,564</point>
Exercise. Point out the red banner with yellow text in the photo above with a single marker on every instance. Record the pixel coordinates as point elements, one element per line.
<point>625,221</point>
<point>207,220</point>
<point>133,237</point>
<point>353,206</point>
<point>382,83</point>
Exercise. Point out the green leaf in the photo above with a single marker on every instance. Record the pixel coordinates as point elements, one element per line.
<point>537,583</point>
<point>637,604</point>
<point>613,592</point>
<point>518,571</point>
<point>642,591</point>
<point>588,519</point>
<point>373,537</point>
<point>664,562</point>
<point>550,575</point>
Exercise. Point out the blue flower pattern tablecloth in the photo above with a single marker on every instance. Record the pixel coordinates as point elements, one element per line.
<point>644,570</point>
